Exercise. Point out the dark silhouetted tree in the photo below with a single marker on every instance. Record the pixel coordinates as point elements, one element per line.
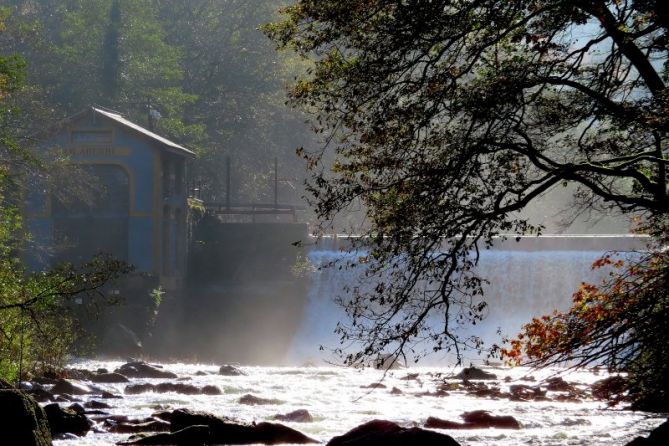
<point>446,118</point>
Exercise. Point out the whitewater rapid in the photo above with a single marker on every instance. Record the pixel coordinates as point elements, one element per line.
<point>338,402</point>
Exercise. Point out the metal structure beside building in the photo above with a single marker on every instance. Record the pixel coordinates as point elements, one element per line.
<point>138,213</point>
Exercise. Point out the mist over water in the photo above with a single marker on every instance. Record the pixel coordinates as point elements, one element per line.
<point>525,281</point>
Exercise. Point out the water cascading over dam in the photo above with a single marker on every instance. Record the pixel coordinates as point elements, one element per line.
<point>261,294</point>
<point>528,278</point>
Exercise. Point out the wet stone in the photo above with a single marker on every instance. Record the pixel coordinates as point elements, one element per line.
<point>296,416</point>
<point>140,369</point>
<point>257,401</point>
<point>230,370</point>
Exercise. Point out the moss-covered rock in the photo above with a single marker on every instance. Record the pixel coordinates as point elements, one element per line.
<point>23,419</point>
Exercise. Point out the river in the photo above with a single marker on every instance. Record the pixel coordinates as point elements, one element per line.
<point>338,402</point>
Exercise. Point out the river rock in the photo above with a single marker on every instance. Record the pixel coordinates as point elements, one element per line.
<point>210,390</point>
<point>109,378</point>
<point>40,394</point>
<point>189,436</point>
<point>437,393</point>
<point>523,392</point>
<point>67,387</point>
<point>136,389</point>
<point>226,431</point>
<point>253,400</point>
<point>658,437</point>
<point>77,408</point>
<point>23,419</point>
<point>557,384</point>
<point>63,420</point>
<point>396,391</point>
<point>78,374</point>
<point>186,389</point>
<point>109,395</point>
<point>609,388</point>
<point>230,370</point>
<point>387,433</point>
<point>133,428</point>
<point>296,416</point>
<point>481,390</point>
<point>165,415</point>
<point>140,369</point>
<point>478,419</point>
<point>96,405</point>
<point>483,418</point>
<point>470,373</point>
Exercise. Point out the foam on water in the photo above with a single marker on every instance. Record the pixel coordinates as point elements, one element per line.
<point>523,284</point>
<point>336,399</point>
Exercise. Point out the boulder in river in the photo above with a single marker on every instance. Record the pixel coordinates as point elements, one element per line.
<point>133,428</point>
<point>226,431</point>
<point>253,400</point>
<point>610,388</point>
<point>185,389</point>
<point>140,369</point>
<point>523,392</point>
<point>557,384</point>
<point>109,378</point>
<point>23,419</point>
<point>296,416</point>
<point>109,395</point>
<point>210,390</point>
<point>478,419</point>
<point>483,418</point>
<point>68,387</point>
<point>230,370</point>
<point>62,420</point>
<point>189,436</point>
<point>470,373</point>
<point>40,394</point>
<point>96,405</point>
<point>387,433</point>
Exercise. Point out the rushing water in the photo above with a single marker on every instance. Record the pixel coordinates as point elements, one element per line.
<point>337,401</point>
<point>524,283</point>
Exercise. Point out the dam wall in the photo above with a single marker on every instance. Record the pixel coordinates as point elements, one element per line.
<point>263,294</point>
<point>527,278</point>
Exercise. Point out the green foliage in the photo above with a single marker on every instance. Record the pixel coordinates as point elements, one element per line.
<point>39,311</point>
<point>203,65</point>
<point>157,296</point>
<point>446,119</point>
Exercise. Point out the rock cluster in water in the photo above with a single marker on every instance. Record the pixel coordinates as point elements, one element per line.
<point>63,417</point>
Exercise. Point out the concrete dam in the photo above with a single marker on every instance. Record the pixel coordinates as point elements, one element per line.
<point>260,294</point>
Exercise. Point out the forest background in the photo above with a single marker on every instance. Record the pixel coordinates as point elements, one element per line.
<point>198,72</point>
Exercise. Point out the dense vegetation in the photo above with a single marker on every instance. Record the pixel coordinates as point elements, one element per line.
<point>38,321</point>
<point>446,118</point>
<point>199,72</point>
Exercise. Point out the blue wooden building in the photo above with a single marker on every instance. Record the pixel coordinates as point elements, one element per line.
<point>137,205</point>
